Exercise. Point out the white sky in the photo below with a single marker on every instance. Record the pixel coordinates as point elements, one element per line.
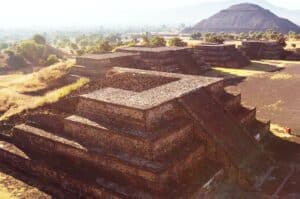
<point>102,12</point>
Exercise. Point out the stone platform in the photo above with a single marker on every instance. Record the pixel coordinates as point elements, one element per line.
<point>131,139</point>
<point>220,55</point>
<point>96,65</point>
<point>168,59</point>
<point>263,50</point>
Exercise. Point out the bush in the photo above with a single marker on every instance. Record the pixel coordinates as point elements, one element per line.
<point>157,41</point>
<point>281,40</point>
<point>101,47</point>
<point>9,52</point>
<point>31,50</point>
<point>3,45</point>
<point>196,35</point>
<point>176,42</point>
<point>39,39</point>
<point>214,38</point>
<point>52,59</point>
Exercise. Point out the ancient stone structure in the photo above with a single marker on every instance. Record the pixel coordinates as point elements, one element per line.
<point>263,50</point>
<point>220,55</point>
<point>143,134</point>
<point>167,59</point>
<point>95,65</point>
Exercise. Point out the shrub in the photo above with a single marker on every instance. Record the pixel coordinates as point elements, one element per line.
<point>196,35</point>
<point>157,41</point>
<point>9,52</point>
<point>3,45</point>
<point>214,38</point>
<point>176,42</point>
<point>74,46</point>
<point>294,45</point>
<point>39,39</point>
<point>281,40</point>
<point>31,50</point>
<point>52,59</point>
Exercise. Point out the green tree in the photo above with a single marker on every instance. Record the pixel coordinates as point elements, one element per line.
<point>31,50</point>
<point>39,39</point>
<point>214,38</point>
<point>176,41</point>
<point>196,36</point>
<point>157,41</point>
<point>3,45</point>
<point>52,59</point>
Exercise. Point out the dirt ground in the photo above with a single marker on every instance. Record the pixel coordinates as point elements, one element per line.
<point>276,96</point>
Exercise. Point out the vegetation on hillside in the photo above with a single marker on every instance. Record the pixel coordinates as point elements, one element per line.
<point>13,89</point>
<point>176,41</point>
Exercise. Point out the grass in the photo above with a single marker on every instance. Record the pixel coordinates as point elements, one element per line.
<point>279,131</point>
<point>281,76</point>
<point>37,80</point>
<point>12,99</point>
<point>254,69</point>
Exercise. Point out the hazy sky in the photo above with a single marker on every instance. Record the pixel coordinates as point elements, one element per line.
<point>90,12</point>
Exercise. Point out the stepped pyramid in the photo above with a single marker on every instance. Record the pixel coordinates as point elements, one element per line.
<point>142,134</point>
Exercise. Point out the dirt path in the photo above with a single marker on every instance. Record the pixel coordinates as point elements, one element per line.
<point>276,96</point>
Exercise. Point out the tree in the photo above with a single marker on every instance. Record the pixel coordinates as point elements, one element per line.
<point>3,45</point>
<point>214,38</point>
<point>176,42</point>
<point>157,41</point>
<point>281,40</point>
<point>292,35</point>
<point>74,46</point>
<point>52,59</point>
<point>196,35</point>
<point>39,39</point>
<point>31,50</point>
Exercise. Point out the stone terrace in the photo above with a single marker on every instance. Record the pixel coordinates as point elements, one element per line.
<point>131,140</point>
<point>167,59</point>
<point>263,50</point>
<point>94,65</point>
<point>221,55</point>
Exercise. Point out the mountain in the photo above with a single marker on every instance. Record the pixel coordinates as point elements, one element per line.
<point>244,17</point>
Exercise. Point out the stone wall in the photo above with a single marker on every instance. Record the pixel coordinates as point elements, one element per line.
<point>220,55</point>
<point>262,50</point>
<point>167,59</point>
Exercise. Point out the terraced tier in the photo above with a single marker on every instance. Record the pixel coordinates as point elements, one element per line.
<point>149,175</point>
<point>245,116</point>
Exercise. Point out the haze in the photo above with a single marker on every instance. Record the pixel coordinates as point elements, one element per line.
<point>58,13</point>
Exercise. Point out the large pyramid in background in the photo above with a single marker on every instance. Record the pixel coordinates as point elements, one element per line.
<point>244,17</point>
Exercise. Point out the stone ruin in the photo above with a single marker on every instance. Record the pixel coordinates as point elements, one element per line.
<point>95,65</point>
<point>184,60</point>
<point>167,59</point>
<point>141,134</point>
<point>224,55</point>
<point>263,50</point>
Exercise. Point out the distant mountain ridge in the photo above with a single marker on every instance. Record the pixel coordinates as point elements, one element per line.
<point>244,17</point>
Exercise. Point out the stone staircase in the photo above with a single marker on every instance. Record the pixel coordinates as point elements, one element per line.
<point>245,116</point>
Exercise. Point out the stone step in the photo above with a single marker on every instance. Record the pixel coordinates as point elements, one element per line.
<point>151,175</point>
<point>216,89</point>
<point>155,144</point>
<point>90,72</point>
<point>245,115</point>
<point>231,102</point>
<point>15,158</point>
<point>96,106</point>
